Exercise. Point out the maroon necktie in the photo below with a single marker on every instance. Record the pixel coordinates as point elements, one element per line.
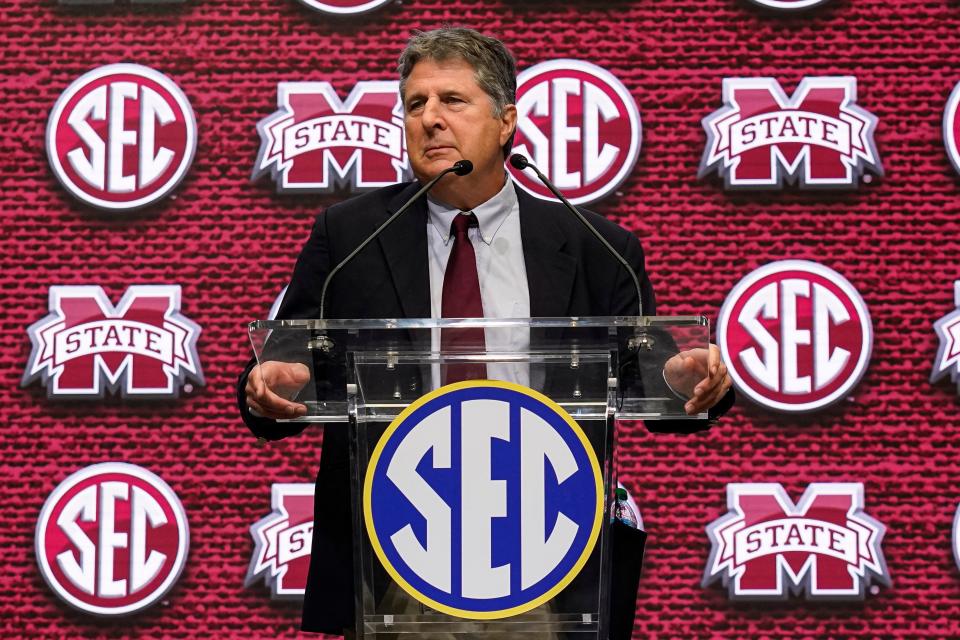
<point>461,299</point>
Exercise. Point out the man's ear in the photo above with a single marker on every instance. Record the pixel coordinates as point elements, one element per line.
<point>508,123</point>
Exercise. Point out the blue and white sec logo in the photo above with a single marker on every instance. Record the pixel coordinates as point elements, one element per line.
<point>483,499</point>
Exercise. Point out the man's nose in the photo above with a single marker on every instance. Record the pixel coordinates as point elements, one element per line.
<point>433,115</point>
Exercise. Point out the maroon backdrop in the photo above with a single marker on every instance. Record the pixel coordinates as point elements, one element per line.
<point>231,245</point>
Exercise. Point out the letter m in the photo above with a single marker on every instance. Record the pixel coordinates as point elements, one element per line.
<point>315,142</point>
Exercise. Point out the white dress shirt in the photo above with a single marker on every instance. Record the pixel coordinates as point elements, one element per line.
<point>500,267</point>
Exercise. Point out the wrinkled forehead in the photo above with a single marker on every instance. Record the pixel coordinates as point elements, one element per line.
<point>443,60</point>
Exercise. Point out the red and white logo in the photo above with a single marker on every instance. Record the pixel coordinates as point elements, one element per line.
<point>761,136</point>
<point>84,2</point>
<point>951,128</point>
<point>344,6</point>
<point>788,5</point>
<point>579,125</point>
<point>121,137</point>
<point>947,328</point>
<point>112,539</point>
<point>825,547</point>
<point>144,346</point>
<point>315,142</point>
<point>956,537</point>
<point>282,542</point>
<point>795,335</point>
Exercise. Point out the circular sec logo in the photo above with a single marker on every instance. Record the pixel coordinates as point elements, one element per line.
<point>956,537</point>
<point>795,335</point>
<point>344,6</point>
<point>788,5</point>
<point>121,137</point>
<point>112,539</point>
<point>579,125</point>
<point>951,128</point>
<point>483,499</point>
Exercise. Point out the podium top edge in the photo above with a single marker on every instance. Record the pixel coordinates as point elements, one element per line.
<point>437,323</point>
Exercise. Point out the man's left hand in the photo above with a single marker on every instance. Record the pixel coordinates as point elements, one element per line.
<point>699,375</point>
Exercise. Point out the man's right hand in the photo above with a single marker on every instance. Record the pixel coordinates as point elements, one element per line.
<point>271,386</point>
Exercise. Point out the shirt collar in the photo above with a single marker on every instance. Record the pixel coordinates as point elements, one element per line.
<point>490,215</point>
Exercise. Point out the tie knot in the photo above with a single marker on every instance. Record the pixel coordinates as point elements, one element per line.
<point>463,221</point>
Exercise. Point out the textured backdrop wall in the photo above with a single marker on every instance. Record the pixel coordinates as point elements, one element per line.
<point>231,244</point>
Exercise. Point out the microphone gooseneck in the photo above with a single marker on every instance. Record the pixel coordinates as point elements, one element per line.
<point>460,168</point>
<point>520,162</point>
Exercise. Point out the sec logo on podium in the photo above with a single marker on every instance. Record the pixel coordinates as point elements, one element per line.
<point>483,499</point>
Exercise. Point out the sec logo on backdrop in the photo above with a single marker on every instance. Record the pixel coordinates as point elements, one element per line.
<point>796,336</point>
<point>951,127</point>
<point>788,5</point>
<point>82,2</point>
<point>341,7</point>
<point>112,539</point>
<point>483,499</point>
<point>121,137</point>
<point>579,125</point>
<point>955,536</point>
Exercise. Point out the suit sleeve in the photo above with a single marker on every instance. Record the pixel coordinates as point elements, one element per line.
<point>301,301</point>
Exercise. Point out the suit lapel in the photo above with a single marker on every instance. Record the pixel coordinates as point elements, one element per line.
<point>404,246</point>
<point>550,270</point>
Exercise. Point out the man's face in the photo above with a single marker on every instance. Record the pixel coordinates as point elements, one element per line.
<point>448,117</point>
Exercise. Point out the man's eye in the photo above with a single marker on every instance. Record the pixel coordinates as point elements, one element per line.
<point>413,106</point>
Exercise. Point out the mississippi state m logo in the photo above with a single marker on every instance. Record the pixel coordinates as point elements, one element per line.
<point>818,136</point>
<point>796,336</point>
<point>825,546</point>
<point>483,499</point>
<point>121,137</point>
<point>315,142</point>
<point>579,125</point>
<point>948,331</point>
<point>144,346</point>
<point>112,539</point>
<point>282,542</point>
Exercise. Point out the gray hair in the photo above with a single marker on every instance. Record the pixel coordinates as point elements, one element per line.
<point>494,67</point>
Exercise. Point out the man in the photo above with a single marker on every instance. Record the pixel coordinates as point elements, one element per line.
<point>532,259</point>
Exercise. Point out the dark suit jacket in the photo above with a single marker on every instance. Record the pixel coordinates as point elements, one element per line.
<point>569,273</point>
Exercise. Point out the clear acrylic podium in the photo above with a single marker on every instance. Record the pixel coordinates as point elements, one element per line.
<point>364,373</point>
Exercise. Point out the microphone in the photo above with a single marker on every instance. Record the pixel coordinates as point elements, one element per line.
<point>460,167</point>
<point>520,162</point>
